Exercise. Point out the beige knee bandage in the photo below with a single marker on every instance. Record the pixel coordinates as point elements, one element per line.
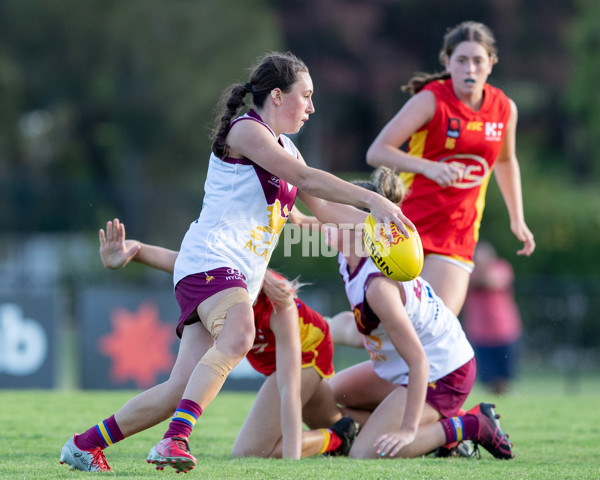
<point>217,361</point>
<point>216,317</point>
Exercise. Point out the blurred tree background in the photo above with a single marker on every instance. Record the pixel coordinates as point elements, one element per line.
<point>106,109</point>
<point>107,106</point>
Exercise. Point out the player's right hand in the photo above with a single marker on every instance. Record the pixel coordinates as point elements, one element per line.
<point>115,251</point>
<point>444,174</point>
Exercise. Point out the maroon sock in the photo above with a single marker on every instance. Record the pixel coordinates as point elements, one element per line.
<point>102,435</point>
<point>184,419</point>
<point>471,427</point>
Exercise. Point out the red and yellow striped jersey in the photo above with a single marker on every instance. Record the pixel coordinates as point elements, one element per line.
<point>317,345</point>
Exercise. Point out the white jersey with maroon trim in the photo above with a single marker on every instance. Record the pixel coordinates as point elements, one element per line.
<point>244,210</point>
<point>438,329</point>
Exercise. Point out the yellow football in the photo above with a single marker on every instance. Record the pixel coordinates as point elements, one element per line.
<point>401,258</point>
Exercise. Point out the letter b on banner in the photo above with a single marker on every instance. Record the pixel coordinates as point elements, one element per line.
<point>23,342</point>
<point>28,332</point>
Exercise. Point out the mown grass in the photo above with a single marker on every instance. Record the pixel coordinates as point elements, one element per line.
<point>554,423</point>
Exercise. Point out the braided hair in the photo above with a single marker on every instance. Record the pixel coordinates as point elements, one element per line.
<point>273,70</point>
<point>386,183</point>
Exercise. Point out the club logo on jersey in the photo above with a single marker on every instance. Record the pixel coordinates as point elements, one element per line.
<point>255,240</point>
<point>263,238</point>
<point>358,319</point>
<point>494,131</point>
<point>475,168</point>
<point>209,278</point>
<point>364,324</point>
<point>274,181</point>
<point>453,128</point>
<point>373,345</point>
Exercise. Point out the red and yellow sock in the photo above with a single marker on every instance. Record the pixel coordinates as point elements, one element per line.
<point>331,442</point>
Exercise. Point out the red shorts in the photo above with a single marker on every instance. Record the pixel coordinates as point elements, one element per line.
<point>192,290</point>
<point>448,394</point>
<point>320,358</point>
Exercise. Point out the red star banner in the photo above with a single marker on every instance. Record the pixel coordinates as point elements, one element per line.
<point>139,346</point>
<point>128,337</point>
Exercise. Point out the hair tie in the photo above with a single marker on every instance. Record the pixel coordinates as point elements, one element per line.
<point>248,87</point>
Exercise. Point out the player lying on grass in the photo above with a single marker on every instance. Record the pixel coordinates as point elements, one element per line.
<point>408,396</point>
<point>296,376</point>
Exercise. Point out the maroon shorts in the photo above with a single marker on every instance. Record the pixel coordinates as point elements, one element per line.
<point>192,290</point>
<point>448,394</point>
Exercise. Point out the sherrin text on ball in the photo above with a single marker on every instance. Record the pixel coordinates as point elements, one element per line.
<point>399,258</point>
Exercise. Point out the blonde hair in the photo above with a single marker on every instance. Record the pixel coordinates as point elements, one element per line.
<point>386,183</point>
<point>279,289</point>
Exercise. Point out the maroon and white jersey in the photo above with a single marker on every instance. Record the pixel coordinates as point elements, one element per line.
<point>243,213</point>
<point>438,329</point>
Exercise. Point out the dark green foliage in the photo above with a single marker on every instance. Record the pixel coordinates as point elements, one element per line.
<point>581,99</point>
<point>103,100</point>
<point>107,106</point>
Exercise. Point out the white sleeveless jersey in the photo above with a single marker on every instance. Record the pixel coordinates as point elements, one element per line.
<point>243,212</point>
<point>440,332</point>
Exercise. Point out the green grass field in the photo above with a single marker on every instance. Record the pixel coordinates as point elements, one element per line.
<point>556,436</point>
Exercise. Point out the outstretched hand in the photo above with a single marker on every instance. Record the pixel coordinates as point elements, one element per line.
<point>115,251</point>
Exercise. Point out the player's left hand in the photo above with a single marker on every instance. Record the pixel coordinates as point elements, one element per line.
<point>389,444</point>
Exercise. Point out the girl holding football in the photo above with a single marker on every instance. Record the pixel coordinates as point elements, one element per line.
<point>458,128</point>
<point>408,396</point>
<point>254,174</point>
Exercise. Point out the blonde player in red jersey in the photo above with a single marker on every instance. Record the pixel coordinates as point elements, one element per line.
<point>294,349</point>
<point>459,128</point>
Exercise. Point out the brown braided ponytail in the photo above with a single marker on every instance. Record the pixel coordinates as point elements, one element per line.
<point>273,70</point>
